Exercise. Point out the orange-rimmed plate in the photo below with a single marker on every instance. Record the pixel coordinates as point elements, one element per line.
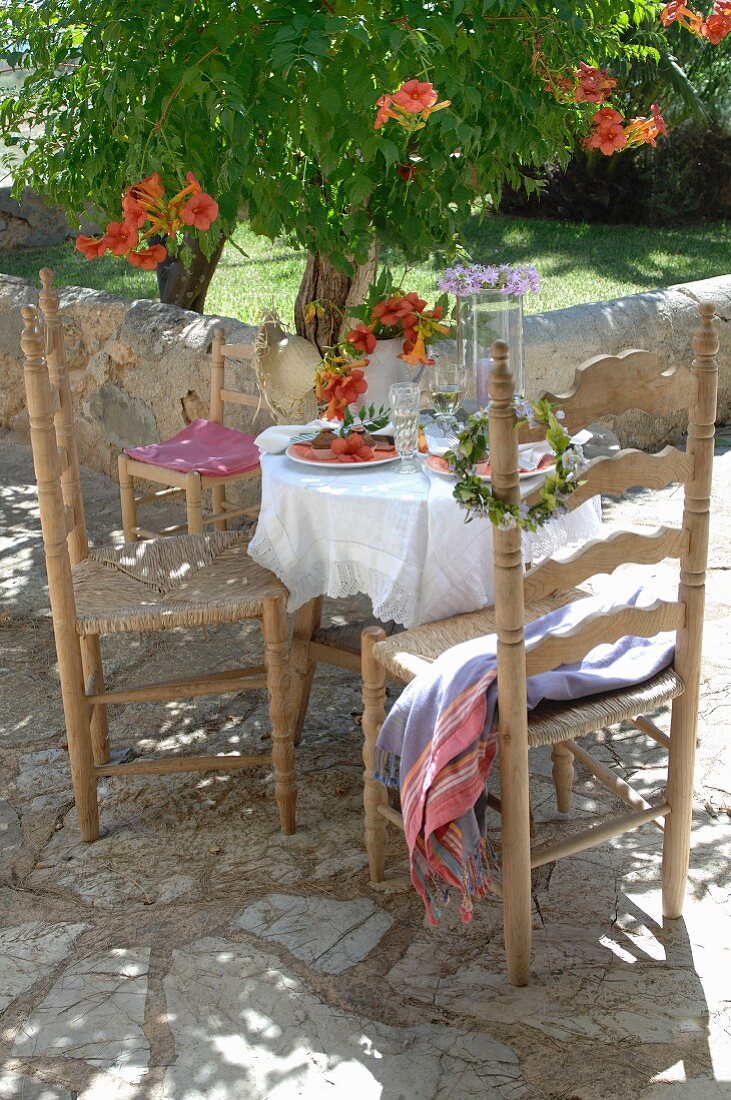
<point>302,453</point>
<point>441,466</point>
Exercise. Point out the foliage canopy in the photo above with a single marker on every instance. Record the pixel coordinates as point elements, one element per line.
<point>272,105</point>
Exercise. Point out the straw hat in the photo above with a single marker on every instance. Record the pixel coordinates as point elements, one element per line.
<point>285,370</point>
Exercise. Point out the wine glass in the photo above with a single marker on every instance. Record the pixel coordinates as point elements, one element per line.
<point>447,388</point>
<point>405,398</point>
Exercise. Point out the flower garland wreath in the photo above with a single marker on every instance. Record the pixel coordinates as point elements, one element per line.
<point>474,495</point>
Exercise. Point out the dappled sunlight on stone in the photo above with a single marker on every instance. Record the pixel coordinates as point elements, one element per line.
<point>313,1049</point>
<point>274,969</point>
<point>95,1012</point>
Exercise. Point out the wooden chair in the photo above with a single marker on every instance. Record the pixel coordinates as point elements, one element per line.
<point>608,384</point>
<point>169,464</point>
<point>183,581</point>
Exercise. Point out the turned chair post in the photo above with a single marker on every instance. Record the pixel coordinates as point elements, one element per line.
<point>511,673</point>
<point>63,419</point>
<point>78,543</point>
<point>58,567</point>
<point>691,593</point>
<point>218,381</point>
<point>563,775</point>
<point>374,713</point>
<point>127,499</point>
<point>218,368</point>
<point>306,621</point>
<point>276,660</point>
<point>194,503</point>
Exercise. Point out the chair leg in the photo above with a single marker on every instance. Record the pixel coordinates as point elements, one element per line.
<point>563,776</point>
<point>194,504</point>
<point>91,659</point>
<point>78,734</point>
<point>128,502</point>
<point>276,659</point>
<point>676,840</point>
<point>517,900</point>
<point>306,622</point>
<point>374,712</point>
<point>219,499</point>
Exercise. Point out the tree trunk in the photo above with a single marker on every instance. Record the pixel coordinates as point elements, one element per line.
<point>336,291</point>
<point>187,286</point>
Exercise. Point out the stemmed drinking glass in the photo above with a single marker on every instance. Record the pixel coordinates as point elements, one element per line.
<point>404,398</point>
<point>447,388</point>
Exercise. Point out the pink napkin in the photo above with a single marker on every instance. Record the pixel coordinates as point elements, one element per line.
<point>203,447</point>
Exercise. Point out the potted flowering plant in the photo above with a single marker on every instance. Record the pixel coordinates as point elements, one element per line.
<point>391,335</point>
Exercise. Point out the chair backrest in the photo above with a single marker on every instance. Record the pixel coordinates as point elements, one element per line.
<point>50,459</point>
<point>220,395</point>
<point>63,417</point>
<point>608,385</point>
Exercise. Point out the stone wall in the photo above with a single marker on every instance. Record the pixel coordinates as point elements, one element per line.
<point>660,320</point>
<point>140,370</point>
<point>29,221</point>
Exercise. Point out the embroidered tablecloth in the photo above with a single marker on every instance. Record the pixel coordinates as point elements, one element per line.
<point>401,540</point>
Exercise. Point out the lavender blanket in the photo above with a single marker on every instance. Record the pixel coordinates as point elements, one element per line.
<point>438,741</point>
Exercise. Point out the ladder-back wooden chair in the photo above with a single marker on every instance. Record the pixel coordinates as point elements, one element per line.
<point>605,385</point>
<point>182,581</point>
<point>205,455</point>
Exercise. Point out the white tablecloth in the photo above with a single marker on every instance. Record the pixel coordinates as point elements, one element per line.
<point>400,540</point>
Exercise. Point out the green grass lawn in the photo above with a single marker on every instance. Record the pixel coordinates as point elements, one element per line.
<point>578,263</point>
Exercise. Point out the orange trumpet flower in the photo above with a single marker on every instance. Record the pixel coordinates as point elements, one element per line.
<point>418,353</point>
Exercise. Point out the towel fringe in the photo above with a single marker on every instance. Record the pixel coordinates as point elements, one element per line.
<point>386,767</point>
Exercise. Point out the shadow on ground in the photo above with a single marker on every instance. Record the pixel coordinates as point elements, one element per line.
<point>194,952</point>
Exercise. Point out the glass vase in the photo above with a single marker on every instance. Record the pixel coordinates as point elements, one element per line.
<point>485,318</point>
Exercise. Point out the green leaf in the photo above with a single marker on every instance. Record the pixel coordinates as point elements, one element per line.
<point>360,188</point>
<point>390,151</point>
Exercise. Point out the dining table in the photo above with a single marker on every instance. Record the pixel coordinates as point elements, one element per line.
<point>401,540</point>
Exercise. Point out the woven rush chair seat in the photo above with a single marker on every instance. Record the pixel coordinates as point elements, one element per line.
<point>401,654</point>
<point>551,723</point>
<point>185,580</point>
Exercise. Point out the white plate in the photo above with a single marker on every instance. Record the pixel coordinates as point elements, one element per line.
<point>330,465</point>
<point>526,475</point>
<point>523,476</point>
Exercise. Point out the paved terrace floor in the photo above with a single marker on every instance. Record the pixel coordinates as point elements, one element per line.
<point>193,952</point>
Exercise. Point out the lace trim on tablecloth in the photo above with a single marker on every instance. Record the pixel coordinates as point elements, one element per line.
<point>393,601</point>
<point>577,526</point>
<point>390,601</point>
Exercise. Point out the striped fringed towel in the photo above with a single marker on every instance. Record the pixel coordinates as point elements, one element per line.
<point>439,741</point>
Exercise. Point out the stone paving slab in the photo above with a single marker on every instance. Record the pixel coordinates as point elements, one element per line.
<point>332,936</point>
<point>619,1008</point>
<point>94,1013</point>
<point>16,1086</point>
<point>9,828</point>
<point>29,952</point>
<point>244,1027</point>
